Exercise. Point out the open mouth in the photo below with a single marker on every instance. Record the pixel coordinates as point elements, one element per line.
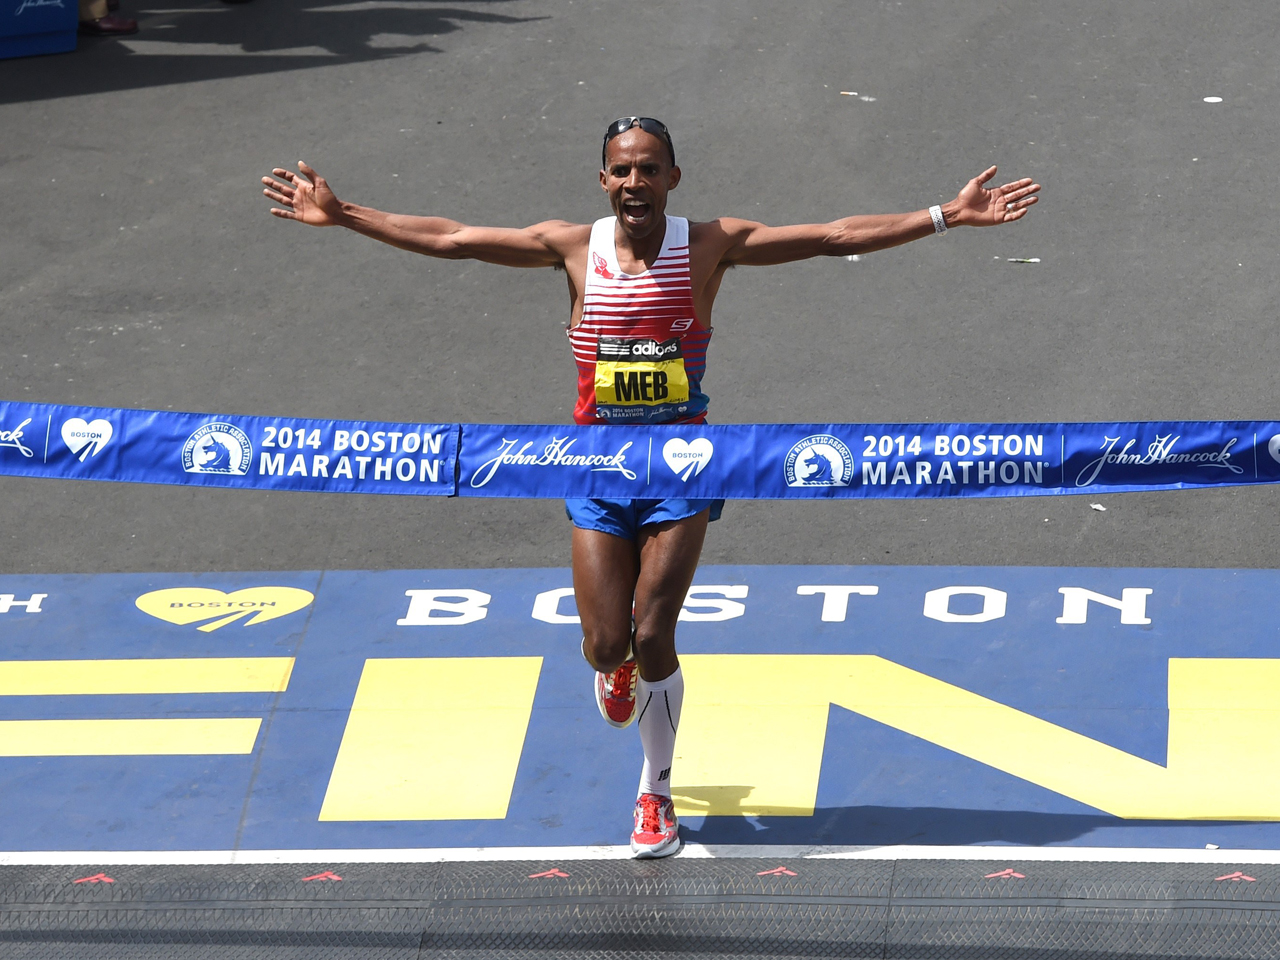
<point>635,211</point>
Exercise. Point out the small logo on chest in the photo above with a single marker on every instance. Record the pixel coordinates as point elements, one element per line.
<point>602,266</point>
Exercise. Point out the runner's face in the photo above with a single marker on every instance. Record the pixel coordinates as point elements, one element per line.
<point>637,177</point>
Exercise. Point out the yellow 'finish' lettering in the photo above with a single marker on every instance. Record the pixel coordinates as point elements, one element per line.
<point>32,678</point>
<point>433,739</point>
<point>753,729</point>
<point>121,738</point>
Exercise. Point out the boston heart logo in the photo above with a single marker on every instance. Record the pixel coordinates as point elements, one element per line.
<point>183,605</point>
<point>86,439</point>
<point>687,459</point>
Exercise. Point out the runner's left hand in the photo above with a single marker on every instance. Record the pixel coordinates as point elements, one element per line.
<point>981,206</point>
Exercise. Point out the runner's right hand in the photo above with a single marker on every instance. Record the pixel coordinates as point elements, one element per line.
<point>305,197</point>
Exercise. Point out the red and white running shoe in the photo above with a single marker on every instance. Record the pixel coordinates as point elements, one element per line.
<point>616,694</point>
<point>657,832</point>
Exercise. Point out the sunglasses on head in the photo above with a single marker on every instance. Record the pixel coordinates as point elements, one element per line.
<point>647,124</point>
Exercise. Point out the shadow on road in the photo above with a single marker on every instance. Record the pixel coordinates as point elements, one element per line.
<point>182,42</point>
<point>872,825</point>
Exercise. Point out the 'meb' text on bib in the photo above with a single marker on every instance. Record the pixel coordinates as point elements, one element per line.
<point>640,379</point>
<point>640,350</point>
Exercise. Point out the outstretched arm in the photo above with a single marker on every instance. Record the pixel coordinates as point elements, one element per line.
<point>307,198</point>
<point>977,205</point>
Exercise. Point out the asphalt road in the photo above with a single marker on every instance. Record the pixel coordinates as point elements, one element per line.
<point>139,266</point>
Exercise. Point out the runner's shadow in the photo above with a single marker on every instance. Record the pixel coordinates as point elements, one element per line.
<point>882,826</point>
<point>183,41</point>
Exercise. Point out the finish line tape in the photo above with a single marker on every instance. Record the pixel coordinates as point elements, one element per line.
<point>774,461</point>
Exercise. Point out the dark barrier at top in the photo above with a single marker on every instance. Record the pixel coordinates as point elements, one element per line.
<point>735,461</point>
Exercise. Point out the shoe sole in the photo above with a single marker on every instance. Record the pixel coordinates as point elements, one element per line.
<point>658,850</point>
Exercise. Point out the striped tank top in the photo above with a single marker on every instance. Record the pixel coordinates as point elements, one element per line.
<point>640,350</point>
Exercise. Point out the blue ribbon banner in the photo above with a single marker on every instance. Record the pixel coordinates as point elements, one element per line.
<point>202,449</point>
<point>735,461</point>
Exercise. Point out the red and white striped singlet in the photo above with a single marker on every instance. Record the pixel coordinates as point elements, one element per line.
<point>640,350</point>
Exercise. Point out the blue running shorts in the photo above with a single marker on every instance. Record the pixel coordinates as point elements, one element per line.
<point>624,518</point>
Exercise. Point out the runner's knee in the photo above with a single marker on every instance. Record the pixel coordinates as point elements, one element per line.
<point>606,649</point>
<point>655,646</point>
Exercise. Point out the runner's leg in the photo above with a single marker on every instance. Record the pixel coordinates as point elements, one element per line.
<point>669,555</point>
<point>605,568</point>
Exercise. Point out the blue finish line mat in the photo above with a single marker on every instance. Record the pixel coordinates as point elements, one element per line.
<point>824,705</point>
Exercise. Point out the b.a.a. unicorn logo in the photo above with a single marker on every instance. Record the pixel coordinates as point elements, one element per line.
<point>819,461</point>
<point>218,448</point>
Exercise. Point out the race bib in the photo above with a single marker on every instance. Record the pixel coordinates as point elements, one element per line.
<point>639,373</point>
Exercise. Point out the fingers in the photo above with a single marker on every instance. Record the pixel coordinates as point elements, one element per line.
<point>1016,191</point>
<point>283,214</point>
<point>308,172</point>
<point>277,185</point>
<point>985,175</point>
<point>1020,204</point>
<point>1018,210</point>
<point>278,197</point>
<point>284,174</point>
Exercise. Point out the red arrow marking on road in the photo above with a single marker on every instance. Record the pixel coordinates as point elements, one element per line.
<point>553,872</point>
<point>327,875</point>
<point>96,878</point>
<point>1237,876</point>
<point>777,872</point>
<point>1006,873</point>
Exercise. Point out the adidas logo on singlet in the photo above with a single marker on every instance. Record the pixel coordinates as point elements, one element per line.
<point>609,348</point>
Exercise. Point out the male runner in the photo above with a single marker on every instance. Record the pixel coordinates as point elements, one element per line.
<point>641,288</point>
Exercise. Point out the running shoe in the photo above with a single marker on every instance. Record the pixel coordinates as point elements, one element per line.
<point>657,832</point>
<point>616,693</point>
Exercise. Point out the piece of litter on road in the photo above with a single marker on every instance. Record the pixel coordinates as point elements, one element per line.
<point>1097,506</point>
<point>853,257</point>
<point>868,99</point>
<point>1023,259</point>
<point>1211,846</point>
<point>848,93</point>
<point>1212,99</point>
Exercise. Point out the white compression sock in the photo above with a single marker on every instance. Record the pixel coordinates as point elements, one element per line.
<point>659,717</point>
